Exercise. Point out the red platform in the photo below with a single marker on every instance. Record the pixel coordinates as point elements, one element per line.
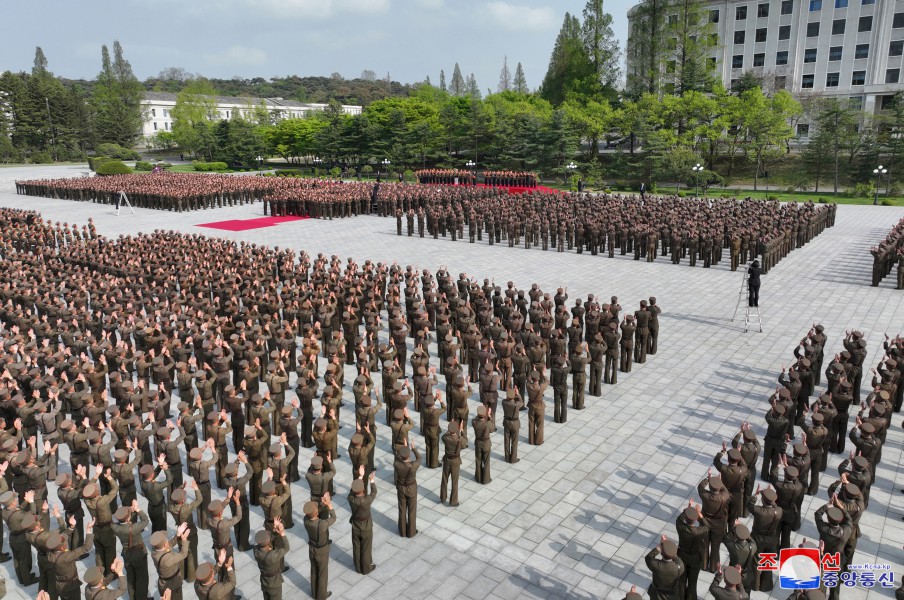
<point>245,225</point>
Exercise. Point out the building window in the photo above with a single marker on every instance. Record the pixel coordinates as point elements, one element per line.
<point>740,36</point>
<point>166,126</point>
<point>670,66</point>
<point>815,5</point>
<point>841,3</point>
<point>835,53</point>
<point>784,32</point>
<point>896,48</point>
<point>857,102</point>
<point>781,57</point>
<point>759,60</point>
<point>713,16</point>
<point>898,21</point>
<point>887,102</point>
<point>155,122</point>
<point>892,75</point>
<point>803,130</point>
<point>813,29</point>
<point>807,82</point>
<point>810,55</point>
<point>153,112</point>
<point>861,51</point>
<point>740,13</point>
<point>787,7</point>
<point>858,78</point>
<point>714,39</point>
<point>832,79</point>
<point>780,82</point>
<point>762,11</point>
<point>761,34</point>
<point>838,26</point>
<point>868,2</point>
<point>673,19</point>
<point>737,61</point>
<point>865,24</point>
<point>711,63</point>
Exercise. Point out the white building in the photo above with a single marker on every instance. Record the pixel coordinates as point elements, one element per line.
<point>840,48</point>
<point>158,107</point>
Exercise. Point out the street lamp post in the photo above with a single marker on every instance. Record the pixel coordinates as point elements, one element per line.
<point>878,172</point>
<point>386,164</point>
<point>472,166</point>
<point>697,169</point>
<point>260,164</point>
<point>571,169</point>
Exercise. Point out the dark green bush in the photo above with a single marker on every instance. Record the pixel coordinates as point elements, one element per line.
<point>886,202</point>
<point>113,167</point>
<point>209,166</point>
<point>116,151</point>
<point>41,158</point>
<point>143,166</point>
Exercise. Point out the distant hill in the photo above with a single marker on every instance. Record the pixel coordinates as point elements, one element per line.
<point>304,89</point>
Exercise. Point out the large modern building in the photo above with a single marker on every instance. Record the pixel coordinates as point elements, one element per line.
<point>158,108</point>
<point>839,48</point>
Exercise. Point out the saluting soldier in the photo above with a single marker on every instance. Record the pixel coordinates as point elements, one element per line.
<point>169,560</point>
<point>362,523</point>
<point>318,518</point>
<point>130,525</point>
<point>270,551</point>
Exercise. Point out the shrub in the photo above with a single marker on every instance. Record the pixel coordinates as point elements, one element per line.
<point>41,158</point>
<point>607,191</point>
<point>163,165</point>
<point>886,202</point>
<point>409,175</point>
<point>822,201</point>
<point>209,166</point>
<point>335,172</point>
<point>113,167</point>
<point>100,161</point>
<point>772,198</point>
<point>860,190</point>
<point>116,151</point>
<point>143,166</point>
<point>681,194</point>
<point>367,169</point>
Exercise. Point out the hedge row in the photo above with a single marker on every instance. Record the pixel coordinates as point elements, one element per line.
<point>210,166</point>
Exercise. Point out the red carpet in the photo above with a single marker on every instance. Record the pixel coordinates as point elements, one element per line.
<point>239,225</point>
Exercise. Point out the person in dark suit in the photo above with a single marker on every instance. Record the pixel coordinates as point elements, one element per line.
<point>753,283</point>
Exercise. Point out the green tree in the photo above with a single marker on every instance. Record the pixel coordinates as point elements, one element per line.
<point>601,47</point>
<point>569,66</point>
<point>520,82</point>
<point>458,87</point>
<point>193,115</point>
<point>505,77</point>
<point>838,122</point>
<point>765,121</point>
<point>442,80</point>
<point>694,39</point>
<point>471,89</point>
<point>647,47</point>
<point>116,100</point>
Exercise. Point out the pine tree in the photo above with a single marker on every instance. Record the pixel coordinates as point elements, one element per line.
<point>442,80</point>
<point>694,39</point>
<point>472,90</point>
<point>600,44</point>
<point>520,83</point>
<point>647,47</point>
<point>569,65</point>
<point>40,65</point>
<point>117,99</point>
<point>457,88</point>
<point>505,77</point>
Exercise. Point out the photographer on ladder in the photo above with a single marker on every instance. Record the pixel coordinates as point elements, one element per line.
<point>753,283</point>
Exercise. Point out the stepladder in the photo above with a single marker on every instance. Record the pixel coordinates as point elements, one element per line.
<point>751,313</point>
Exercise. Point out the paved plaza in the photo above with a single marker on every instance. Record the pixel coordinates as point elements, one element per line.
<point>576,516</point>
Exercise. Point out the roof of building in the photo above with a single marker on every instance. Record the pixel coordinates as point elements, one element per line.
<point>240,100</point>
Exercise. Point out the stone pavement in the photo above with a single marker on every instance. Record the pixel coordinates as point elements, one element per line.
<point>576,516</point>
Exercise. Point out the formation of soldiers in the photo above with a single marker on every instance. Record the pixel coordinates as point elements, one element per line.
<point>667,226</point>
<point>446,177</point>
<point>162,365</point>
<point>752,519</point>
<point>191,191</point>
<point>887,253</point>
<point>510,179</point>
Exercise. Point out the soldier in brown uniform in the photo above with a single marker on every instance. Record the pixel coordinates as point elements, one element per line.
<point>612,339</point>
<point>714,504</point>
<point>642,333</point>
<point>693,535</point>
<point>511,424</point>
<point>406,488</point>
<point>482,445</point>
<point>96,583</point>
<point>536,408</point>
<point>767,519</point>
<point>169,561</point>
<point>99,507</point>
<point>627,344</point>
<point>131,523</point>
<point>453,444</point>
<point>211,584</point>
<point>181,510</point>
<point>219,527</point>
<point>63,560</point>
<point>362,523</point>
<point>270,551</point>
<point>667,572</point>
<point>318,517</point>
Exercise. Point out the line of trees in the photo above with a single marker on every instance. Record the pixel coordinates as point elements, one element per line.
<point>44,118</point>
